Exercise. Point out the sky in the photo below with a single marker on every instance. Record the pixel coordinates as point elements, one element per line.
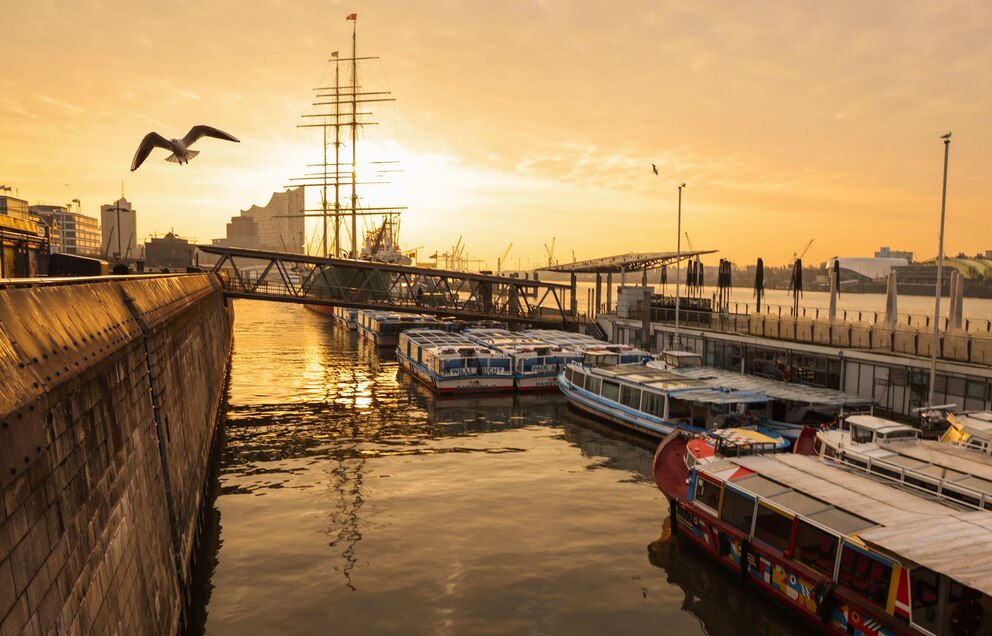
<point>526,121</point>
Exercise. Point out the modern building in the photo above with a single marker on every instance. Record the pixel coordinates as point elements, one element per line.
<point>70,231</point>
<point>277,227</point>
<point>120,230</point>
<point>886,252</point>
<point>170,252</point>
<point>23,241</point>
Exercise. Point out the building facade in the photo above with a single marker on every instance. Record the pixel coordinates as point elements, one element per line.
<point>170,252</point>
<point>120,230</point>
<point>23,241</point>
<point>278,226</point>
<point>71,232</point>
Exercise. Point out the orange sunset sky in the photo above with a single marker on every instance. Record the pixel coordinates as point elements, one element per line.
<point>526,120</point>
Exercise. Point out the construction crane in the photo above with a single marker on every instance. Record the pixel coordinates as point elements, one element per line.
<point>798,255</point>
<point>551,251</point>
<point>688,242</point>
<point>502,259</point>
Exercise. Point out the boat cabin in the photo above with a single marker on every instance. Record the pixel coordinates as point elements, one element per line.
<point>843,547</point>
<point>680,359</point>
<point>868,429</point>
<point>971,430</point>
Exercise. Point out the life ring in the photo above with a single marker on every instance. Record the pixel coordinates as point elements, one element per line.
<point>823,596</point>
<point>967,618</point>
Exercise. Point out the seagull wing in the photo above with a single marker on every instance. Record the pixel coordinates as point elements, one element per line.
<point>151,140</point>
<point>206,131</point>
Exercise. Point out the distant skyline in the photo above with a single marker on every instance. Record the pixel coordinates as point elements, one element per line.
<point>520,121</point>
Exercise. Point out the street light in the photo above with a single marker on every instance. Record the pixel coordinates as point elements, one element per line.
<point>940,272</point>
<point>678,267</point>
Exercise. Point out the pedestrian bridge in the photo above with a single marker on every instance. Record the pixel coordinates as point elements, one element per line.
<point>314,280</point>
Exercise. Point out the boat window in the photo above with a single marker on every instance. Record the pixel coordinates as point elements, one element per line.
<point>921,483</point>
<point>925,589</point>
<point>611,391</point>
<point>773,527</point>
<point>861,435</point>
<point>580,379</point>
<point>629,396</point>
<point>815,548</point>
<point>737,510</point>
<point>958,495</point>
<point>963,612</point>
<point>570,375</point>
<point>593,384</point>
<point>879,468</point>
<point>903,434</point>
<point>866,575</point>
<point>654,404</point>
<point>707,493</point>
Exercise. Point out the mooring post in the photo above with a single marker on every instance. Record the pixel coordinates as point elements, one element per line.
<point>575,299</point>
<point>599,293</point>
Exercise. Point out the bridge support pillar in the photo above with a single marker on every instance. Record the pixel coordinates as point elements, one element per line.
<point>599,294</point>
<point>575,299</point>
<point>609,292</point>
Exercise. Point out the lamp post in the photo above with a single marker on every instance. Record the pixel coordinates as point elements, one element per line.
<point>940,272</point>
<point>678,267</point>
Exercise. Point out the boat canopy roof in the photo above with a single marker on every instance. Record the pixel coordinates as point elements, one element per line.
<point>877,424</point>
<point>678,386</point>
<point>954,545</point>
<point>792,392</point>
<point>937,460</point>
<point>846,501</point>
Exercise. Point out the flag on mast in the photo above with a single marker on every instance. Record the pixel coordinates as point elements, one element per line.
<point>334,54</point>
<point>352,16</point>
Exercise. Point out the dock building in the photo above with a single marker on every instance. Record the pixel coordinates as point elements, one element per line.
<point>71,231</point>
<point>24,244</point>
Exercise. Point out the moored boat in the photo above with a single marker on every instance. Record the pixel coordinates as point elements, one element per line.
<point>622,354</point>
<point>452,363</point>
<point>971,429</point>
<point>852,554</point>
<point>535,363</point>
<point>893,451</point>
<point>652,401</point>
<point>383,328</point>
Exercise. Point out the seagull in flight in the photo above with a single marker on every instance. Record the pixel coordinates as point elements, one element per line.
<point>179,147</point>
<point>655,168</point>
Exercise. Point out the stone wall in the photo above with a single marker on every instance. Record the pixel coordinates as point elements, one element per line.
<point>108,402</point>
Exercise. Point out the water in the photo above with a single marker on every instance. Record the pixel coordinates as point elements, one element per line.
<point>350,500</point>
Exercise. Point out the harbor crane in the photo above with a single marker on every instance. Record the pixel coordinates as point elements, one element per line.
<point>502,259</point>
<point>551,252</point>
<point>800,254</point>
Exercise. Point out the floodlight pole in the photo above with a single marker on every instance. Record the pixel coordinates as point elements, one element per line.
<point>678,267</point>
<point>940,272</point>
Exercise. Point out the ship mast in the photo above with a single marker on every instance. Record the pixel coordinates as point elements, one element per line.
<point>351,97</point>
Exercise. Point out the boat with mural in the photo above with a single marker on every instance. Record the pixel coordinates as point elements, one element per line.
<point>849,553</point>
<point>450,362</point>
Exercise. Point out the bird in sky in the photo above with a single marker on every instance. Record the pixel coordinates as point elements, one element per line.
<point>655,168</point>
<point>179,147</point>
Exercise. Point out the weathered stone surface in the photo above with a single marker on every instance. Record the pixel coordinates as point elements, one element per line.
<point>105,430</point>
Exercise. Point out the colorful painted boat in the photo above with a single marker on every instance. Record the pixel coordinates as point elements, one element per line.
<point>849,553</point>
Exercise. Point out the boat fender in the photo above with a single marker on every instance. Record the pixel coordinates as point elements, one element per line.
<point>745,553</point>
<point>823,596</point>
<point>673,512</point>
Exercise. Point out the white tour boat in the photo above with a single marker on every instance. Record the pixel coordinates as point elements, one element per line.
<point>452,363</point>
<point>383,328</point>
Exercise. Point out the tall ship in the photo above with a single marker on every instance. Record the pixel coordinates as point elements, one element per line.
<point>343,111</point>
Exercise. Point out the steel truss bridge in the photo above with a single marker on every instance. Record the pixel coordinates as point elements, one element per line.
<point>314,280</point>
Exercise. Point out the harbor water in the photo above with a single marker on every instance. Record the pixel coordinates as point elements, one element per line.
<point>349,500</point>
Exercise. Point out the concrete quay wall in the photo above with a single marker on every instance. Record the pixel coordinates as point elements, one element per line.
<point>109,395</point>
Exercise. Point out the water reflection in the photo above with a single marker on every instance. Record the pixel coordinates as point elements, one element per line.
<point>353,497</point>
<point>723,605</point>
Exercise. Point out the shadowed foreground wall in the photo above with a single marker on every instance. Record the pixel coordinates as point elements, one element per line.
<point>109,393</point>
